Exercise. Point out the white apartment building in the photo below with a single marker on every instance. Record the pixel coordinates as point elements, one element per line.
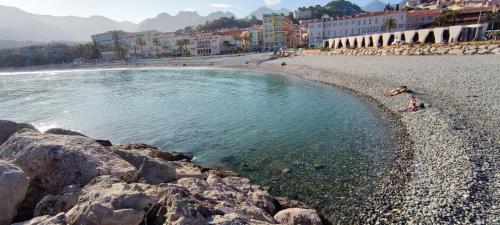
<point>256,34</point>
<point>365,23</point>
<point>130,42</point>
<point>168,42</point>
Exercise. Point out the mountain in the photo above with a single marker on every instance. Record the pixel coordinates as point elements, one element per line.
<point>17,44</point>
<point>264,10</point>
<point>167,23</point>
<point>374,6</point>
<point>18,25</point>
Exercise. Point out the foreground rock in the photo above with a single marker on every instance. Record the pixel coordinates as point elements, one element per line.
<point>8,128</point>
<point>13,187</point>
<point>56,161</point>
<point>75,180</point>
<point>298,216</point>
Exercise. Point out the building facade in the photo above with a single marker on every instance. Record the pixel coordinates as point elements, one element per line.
<point>302,14</point>
<point>256,34</point>
<point>420,18</point>
<point>277,30</point>
<point>361,24</point>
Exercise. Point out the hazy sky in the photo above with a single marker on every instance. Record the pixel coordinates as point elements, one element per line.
<point>138,10</point>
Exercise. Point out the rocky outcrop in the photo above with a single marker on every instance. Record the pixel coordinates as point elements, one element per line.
<point>298,216</point>
<point>453,49</point>
<point>77,181</point>
<point>8,128</point>
<point>56,161</point>
<point>13,187</point>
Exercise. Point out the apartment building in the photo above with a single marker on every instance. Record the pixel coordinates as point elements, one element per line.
<point>108,44</point>
<point>277,30</point>
<point>364,23</point>
<point>256,34</point>
<point>420,18</point>
<point>121,45</point>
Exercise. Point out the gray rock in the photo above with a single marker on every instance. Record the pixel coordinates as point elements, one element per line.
<point>456,52</point>
<point>55,161</point>
<point>297,216</point>
<point>8,128</point>
<point>60,131</point>
<point>13,187</point>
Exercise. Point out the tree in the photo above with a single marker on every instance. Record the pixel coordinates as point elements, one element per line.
<point>227,44</point>
<point>182,45</point>
<point>447,17</point>
<point>156,42</point>
<point>139,41</point>
<point>245,39</point>
<point>236,38</point>
<point>390,24</point>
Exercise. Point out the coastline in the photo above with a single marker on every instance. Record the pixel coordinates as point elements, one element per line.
<point>446,171</point>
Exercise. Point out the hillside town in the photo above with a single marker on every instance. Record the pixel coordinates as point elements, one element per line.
<point>414,22</point>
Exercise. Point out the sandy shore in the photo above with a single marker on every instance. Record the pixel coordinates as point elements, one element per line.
<point>450,172</point>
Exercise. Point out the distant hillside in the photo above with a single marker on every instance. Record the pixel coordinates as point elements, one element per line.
<point>17,44</point>
<point>167,23</point>
<point>374,6</point>
<point>264,10</point>
<point>334,8</point>
<point>18,25</point>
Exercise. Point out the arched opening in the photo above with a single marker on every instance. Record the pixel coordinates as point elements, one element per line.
<point>370,43</point>
<point>326,44</point>
<point>380,42</point>
<point>416,38</point>
<point>340,44</point>
<point>355,44</point>
<point>430,38</point>
<point>403,38</point>
<point>363,43</point>
<point>446,36</point>
<point>347,44</point>
<point>391,39</point>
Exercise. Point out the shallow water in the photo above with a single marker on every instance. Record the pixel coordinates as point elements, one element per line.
<point>300,139</point>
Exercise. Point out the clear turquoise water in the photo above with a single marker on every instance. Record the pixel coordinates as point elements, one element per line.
<point>300,139</point>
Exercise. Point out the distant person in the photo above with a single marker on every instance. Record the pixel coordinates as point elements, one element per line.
<point>396,91</point>
<point>412,105</point>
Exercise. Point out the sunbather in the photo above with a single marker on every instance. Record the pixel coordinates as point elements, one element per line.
<point>412,105</point>
<point>396,91</point>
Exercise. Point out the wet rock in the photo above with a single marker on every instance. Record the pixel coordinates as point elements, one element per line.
<point>13,187</point>
<point>105,143</point>
<point>154,152</point>
<point>297,216</point>
<point>8,128</point>
<point>55,161</point>
<point>60,131</point>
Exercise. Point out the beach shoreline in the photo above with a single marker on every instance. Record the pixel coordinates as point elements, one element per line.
<point>446,170</point>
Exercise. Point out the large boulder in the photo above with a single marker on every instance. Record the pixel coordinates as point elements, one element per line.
<point>8,128</point>
<point>54,162</point>
<point>153,168</point>
<point>13,187</point>
<point>297,216</point>
<point>61,131</point>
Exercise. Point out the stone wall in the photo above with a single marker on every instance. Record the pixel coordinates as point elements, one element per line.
<point>457,49</point>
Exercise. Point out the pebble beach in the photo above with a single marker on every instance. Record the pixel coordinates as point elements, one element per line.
<point>447,169</point>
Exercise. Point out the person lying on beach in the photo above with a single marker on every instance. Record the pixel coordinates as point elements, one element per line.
<point>396,91</point>
<point>412,105</point>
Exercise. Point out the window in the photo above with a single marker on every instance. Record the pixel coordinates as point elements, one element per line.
<point>364,22</point>
<point>359,22</point>
<point>370,21</point>
<point>376,20</point>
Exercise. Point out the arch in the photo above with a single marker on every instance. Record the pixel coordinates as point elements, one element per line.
<point>403,38</point>
<point>430,39</point>
<point>340,44</point>
<point>376,40</point>
<point>392,37</point>
<point>359,41</point>
<point>347,43</point>
<point>355,44</point>
<point>336,43</point>
<point>344,42</point>
<point>385,39</point>
<point>455,32</point>
<point>352,41</point>
<point>446,36</point>
<point>368,41</point>
<point>326,44</point>
<point>438,35</point>
<point>416,38</point>
<point>422,35</point>
<point>409,36</point>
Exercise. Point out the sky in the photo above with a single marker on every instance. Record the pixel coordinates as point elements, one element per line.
<point>138,10</point>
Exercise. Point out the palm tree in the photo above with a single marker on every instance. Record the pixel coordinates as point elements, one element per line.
<point>245,39</point>
<point>226,44</point>
<point>156,42</point>
<point>139,41</point>
<point>236,38</point>
<point>390,24</point>
<point>447,17</point>
<point>182,45</point>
